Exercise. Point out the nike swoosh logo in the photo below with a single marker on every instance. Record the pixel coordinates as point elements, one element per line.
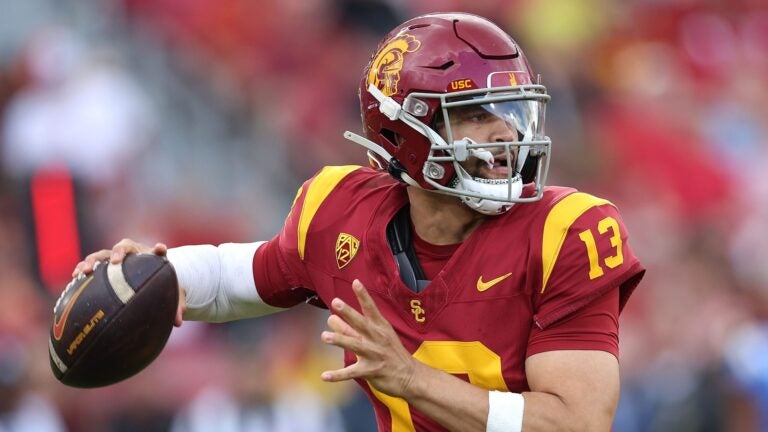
<point>482,286</point>
<point>58,325</point>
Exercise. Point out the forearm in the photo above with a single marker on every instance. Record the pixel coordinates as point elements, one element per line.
<point>219,281</point>
<point>454,403</point>
<point>575,390</point>
<point>461,406</point>
<point>548,412</point>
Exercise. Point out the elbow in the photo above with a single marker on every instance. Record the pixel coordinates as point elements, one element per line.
<point>585,419</point>
<point>594,421</point>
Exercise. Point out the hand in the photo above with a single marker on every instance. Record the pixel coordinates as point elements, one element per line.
<point>116,256</point>
<point>381,358</point>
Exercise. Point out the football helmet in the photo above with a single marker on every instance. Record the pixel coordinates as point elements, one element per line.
<point>439,69</point>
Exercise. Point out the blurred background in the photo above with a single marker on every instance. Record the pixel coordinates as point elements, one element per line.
<point>194,121</point>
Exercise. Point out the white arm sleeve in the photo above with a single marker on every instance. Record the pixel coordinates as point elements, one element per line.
<point>219,281</point>
<point>505,412</point>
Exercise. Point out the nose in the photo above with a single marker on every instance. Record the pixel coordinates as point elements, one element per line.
<point>503,131</point>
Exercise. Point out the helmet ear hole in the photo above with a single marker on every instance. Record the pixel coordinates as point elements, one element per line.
<point>390,136</point>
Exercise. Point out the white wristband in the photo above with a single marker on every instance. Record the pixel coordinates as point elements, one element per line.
<point>219,281</point>
<point>505,412</point>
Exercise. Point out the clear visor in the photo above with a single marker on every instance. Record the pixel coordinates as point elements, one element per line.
<point>493,123</point>
<point>494,128</point>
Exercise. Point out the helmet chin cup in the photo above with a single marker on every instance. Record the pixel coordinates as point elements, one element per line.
<point>503,189</point>
<point>486,206</point>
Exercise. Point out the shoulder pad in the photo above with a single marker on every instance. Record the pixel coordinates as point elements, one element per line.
<point>316,191</point>
<point>559,220</point>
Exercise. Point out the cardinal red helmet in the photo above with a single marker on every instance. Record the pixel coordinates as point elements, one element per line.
<point>422,75</point>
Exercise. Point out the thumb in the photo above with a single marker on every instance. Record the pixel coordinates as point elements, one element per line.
<point>181,308</point>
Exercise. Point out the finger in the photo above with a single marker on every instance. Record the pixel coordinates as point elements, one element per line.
<point>78,268</point>
<point>349,372</point>
<point>366,301</point>
<point>355,345</point>
<point>182,307</point>
<point>160,249</point>
<point>86,266</point>
<point>340,326</point>
<point>121,249</point>
<point>356,320</point>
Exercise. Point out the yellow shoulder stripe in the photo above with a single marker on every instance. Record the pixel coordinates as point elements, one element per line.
<point>559,220</point>
<point>296,198</point>
<point>322,185</point>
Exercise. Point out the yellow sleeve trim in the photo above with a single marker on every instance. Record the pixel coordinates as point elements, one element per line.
<point>559,220</point>
<point>296,198</point>
<point>325,181</point>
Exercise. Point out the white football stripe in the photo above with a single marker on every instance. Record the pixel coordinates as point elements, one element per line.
<point>119,284</point>
<point>55,357</point>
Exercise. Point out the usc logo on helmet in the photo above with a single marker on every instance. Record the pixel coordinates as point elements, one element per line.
<point>388,62</point>
<point>461,84</point>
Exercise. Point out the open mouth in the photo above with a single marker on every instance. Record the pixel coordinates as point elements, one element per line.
<point>491,168</point>
<point>500,165</point>
<point>499,171</point>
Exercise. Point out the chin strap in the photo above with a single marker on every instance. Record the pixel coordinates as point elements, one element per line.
<point>381,151</point>
<point>370,145</point>
<point>394,111</point>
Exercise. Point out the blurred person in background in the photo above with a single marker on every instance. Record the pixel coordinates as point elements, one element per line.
<point>69,138</point>
<point>28,397</point>
<point>454,205</point>
<point>78,106</point>
<point>22,410</point>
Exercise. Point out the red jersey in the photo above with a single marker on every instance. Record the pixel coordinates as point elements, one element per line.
<point>517,274</point>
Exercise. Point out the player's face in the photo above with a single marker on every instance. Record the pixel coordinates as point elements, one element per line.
<point>484,125</point>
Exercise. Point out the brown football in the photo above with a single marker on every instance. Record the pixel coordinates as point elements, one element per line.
<point>111,324</point>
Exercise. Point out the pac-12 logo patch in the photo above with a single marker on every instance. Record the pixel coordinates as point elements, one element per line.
<point>346,249</point>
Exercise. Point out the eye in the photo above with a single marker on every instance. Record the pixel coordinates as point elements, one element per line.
<point>480,117</point>
<point>473,115</point>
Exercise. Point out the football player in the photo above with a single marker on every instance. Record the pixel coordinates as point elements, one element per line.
<point>466,294</point>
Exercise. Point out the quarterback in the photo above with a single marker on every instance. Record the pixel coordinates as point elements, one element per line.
<point>466,294</point>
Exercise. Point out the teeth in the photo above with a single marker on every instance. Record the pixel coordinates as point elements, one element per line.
<point>490,181</point>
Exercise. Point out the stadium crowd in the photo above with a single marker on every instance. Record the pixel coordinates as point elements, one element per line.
<point>153,118</point>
